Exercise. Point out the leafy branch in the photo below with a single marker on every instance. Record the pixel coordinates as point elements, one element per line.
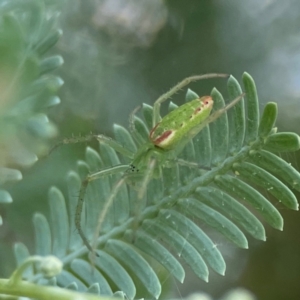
<point>233,168</point>
<point>49,266</point>
<point>28,30</point>
<point>228,195</point>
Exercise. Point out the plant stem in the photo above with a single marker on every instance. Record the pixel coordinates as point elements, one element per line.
<point>28,289</point>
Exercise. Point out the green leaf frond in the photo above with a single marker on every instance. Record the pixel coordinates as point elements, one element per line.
<point>28,30</point>
<point>237,188</point>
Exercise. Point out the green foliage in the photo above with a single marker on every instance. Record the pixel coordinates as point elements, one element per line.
<point>242,168</point>
<point>28,30</point>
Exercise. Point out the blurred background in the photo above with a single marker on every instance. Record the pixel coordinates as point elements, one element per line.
<point>121,53</point>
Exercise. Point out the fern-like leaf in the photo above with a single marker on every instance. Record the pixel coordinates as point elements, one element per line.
<point>28,31</point>
<point>230,195</point>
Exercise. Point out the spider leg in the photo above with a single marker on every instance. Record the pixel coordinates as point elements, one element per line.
<point>84,184</point>
<point>132,128</point>
<point>115,145</point>
<point>114,192</point>
<point>140,195</point>
<point>99,137</point>
<point>190,164</point>
<point>176,88</point>
<point>105,209</point>
<point>72,140</point>
<point>141,192</point>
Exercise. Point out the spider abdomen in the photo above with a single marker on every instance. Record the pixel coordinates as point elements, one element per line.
<point>175,125</point>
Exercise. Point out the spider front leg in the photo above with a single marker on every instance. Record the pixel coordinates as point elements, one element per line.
<point>105,209</point>
<point>176,88</point>
<point>99,137</point>
<point>140,195</point>
<point>190,164</point>
<point>84,184</point>
<point>138,138</point>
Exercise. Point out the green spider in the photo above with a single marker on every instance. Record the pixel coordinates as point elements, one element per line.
<point>167,139</point>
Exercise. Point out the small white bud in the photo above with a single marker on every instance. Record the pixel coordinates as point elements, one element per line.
<point>51,266</point>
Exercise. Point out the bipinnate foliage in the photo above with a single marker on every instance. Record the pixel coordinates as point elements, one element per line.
<point>27,31</point>
<point>240,171</point>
